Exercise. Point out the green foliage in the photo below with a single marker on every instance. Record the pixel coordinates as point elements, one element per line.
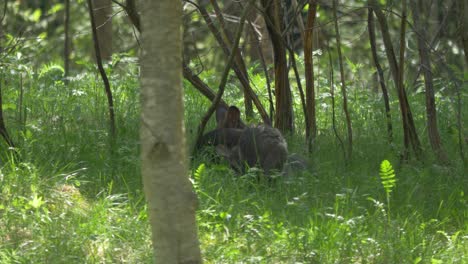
<point>71,196</point>
<point>387,176</point>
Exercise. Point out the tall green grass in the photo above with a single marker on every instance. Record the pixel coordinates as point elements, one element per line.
<point>68,200</point>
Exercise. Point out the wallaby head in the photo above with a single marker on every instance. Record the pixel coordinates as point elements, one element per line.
<point>228,118</point>
<point>228,137</point>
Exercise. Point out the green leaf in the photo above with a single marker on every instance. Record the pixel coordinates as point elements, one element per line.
<point>55,8</point>
<point>36,202</point>
<point>387,176</point>
<point>36,15</point>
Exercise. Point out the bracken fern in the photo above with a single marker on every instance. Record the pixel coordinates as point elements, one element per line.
<point>388,180</point>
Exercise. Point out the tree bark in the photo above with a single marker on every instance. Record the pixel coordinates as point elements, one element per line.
<point>103,16</point>
<point>200,85</point>
<point>224,76</point>
<point>274,20</point>
<point>380,74</point>
<point>332,95</point>
<point>311,125</point>
<point>66,48</point>
<point>464,29</point>
<point>343,85</point>
<point>171,200</point>
<point>237,69</point>
<point>238,59</point>
<point>257,42</point>
<point>97,51</point>
<point>409,129</point>
<point>3,130</point>
<point>431,113</point>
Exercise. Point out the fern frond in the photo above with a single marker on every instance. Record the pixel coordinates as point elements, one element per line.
<point>198,172</point>
<point>387,176</point>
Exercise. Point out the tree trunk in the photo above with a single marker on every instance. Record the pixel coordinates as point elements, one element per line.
<point>131,10</point>
<point>3,130</point>
<point>332,95</point>
<point>464,29</point>
<point>66,48</point>
<point>343,85</point>
<point>97,51</point>
<point>238,59</point>
<point>432,129</point>
<point>274,21</point>
<point>224,77</point>
<point>409,129</point>
<point>380,74</point>
<point>237,68</point>
<point>256,40</point>
<point>311,126</point>
<point>103,15</point>
<point>171,200</point>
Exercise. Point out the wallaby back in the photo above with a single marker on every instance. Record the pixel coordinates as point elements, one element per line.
<point>261,145</point>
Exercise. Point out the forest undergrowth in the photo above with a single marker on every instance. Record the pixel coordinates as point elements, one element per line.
<point>70,198</point>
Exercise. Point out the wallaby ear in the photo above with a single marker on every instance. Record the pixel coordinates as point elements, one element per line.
<point>221,115</point>
<point>232,117</point>
<point>223,151</point>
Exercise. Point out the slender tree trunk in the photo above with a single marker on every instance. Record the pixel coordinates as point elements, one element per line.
<point>103,16</point>
<point>432,129</point>
<point>257,42</point>
<point>332,95</point>
<point>274,21</point>
<point>131,10</point>
<point>227,51</point>
<point>3,130</point>
<point>224,76</point>
<point>298,17</point>
<point>311,126</point>
<point>401,72</point>
<point>464,29</point>
<point>238,59</point>
<point>171,200</point>
<point>107,88</point>
<point>66,48</point>
<point>380,74</point>
<point>343,85</point>
<point>292,60</point>
<point>409,129</point>
<point>200,85</point>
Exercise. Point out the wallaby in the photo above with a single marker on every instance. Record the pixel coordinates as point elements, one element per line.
<point>261,145</point>
<point>229,128</point>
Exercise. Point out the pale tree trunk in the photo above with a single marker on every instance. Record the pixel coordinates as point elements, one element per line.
<point>433,131</point>
<point>103,15</point>
<point>274,20</point>
<point>171,200</point>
